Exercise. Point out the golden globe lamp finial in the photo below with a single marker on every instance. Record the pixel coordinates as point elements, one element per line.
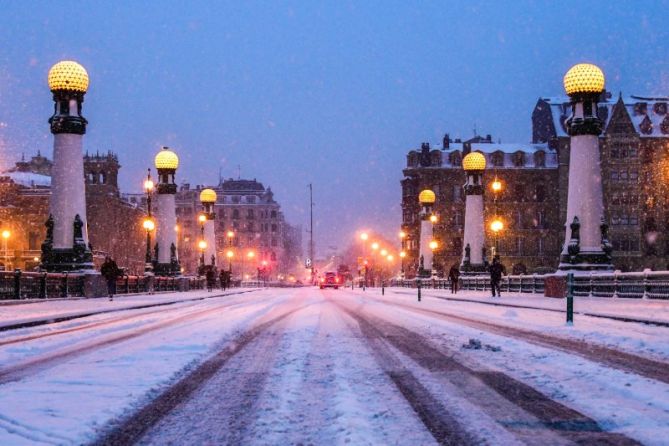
<point>427,197</point>
<point>167,159</point>
<point>68,75</point>
<point>584,78</point>
<point>208,196</point>
<point>474,161</point>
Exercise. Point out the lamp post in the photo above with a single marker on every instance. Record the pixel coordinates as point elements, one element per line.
<point>403,254</point>
<point>66,247</point>
<point>473,261</point>
<point>364,237</point>
<point>202,246</point>
<point>5,236</point>
<point>402,235</point>
<point>230,255</point>
<point>249,255</point>
<point>586,245</point>
<point>496,226</point>
<point>426,198</point>
<point>208,199</point>
<point>149,224</point>
<point>167,260</point>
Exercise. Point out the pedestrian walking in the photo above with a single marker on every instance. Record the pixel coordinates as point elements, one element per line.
<point>454,277</point>
<point>496,271</point>
<point>211,278</point>
<point>110,272</point>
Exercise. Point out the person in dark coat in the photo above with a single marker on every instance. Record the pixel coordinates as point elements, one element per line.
<point>496,272</point>
<point>211,278</point>
<point>110,272</point>
<point>454,276</point>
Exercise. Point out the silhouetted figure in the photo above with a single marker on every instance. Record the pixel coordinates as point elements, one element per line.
<point>110,272</point>
<point>454,277</point>
<point>211,278</point>
<point>496,271</point>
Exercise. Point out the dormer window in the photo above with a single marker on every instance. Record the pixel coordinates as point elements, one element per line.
<point>497,159</point>
<point>519,159</point>
<point>455,159</point>
<point>646,126</point>
<point>660,108</point>
<point>540,159</point>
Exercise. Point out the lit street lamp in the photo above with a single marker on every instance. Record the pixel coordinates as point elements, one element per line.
<point>5,236</point>
<point>148,224</point>
<point>202,245</point>
<point>230,255</point>
<point>495,226</point>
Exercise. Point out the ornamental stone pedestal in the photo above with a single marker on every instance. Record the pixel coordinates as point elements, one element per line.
<point>586,247</point>
<point>66,247</point>
<point>165,256</point>
<point>473,258</point>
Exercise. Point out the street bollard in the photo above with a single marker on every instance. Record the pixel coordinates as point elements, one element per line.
<point>570,299</point>
<point>17,284</point>
<point>383,288</point>
<point>418,282</point>
<point>42,286</point>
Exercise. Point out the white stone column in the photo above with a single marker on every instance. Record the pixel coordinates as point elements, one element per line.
<point>210,238</point>
<point>474,229</point>
<point>68,192</point>
<point>166,221</point>
<point>426,235</point>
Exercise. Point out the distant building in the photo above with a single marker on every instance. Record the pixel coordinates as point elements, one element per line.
<point>114,225</point>
<point>248,209</point>
<point>635,171</point>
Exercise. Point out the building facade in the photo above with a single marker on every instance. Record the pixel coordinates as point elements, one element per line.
<point>634,150</point>
<point>247,210</point>
<point>114,225</point>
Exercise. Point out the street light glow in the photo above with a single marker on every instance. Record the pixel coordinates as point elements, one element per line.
<point>230,234</point>
<point>496,186</point>
<point>390,257</point>
<point>6,234</point>
<point>375,246</point>
<point>230,254</point>
<point>384,252</point>
<point>433,218</point>
<point>148,185</point>
<point>402,234</point>
<point>202,245</point>
<point>496,225</point>
<point>403,254</point>
<point>148,224</point>
<point>434,245</point>
<point>201,218</point>
<point>364,236</point>
<point>251,254</point>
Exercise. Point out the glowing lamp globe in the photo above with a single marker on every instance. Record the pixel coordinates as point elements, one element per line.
<point>433,219</point>
<point>201,218</point>
<point>473,161</point>
<point>68,76</point>
<point>149,225</point>
<point>427,197</point>
<point>229,254</point>
<point>434,245</point>
<point>166,159</point>
<point>208,196</point>
<point>584,78</point>
<point>202,245</point>
<point>496,225</point>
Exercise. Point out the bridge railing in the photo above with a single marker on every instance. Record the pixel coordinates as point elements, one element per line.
<point>638,285</point>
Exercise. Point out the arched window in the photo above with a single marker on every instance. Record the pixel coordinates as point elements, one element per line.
<point>273,257</point>
<point>540,159</point>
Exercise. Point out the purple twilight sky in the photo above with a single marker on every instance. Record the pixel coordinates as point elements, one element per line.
<point>333,93</point>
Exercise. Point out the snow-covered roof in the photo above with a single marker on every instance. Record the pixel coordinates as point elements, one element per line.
<point>649,115</point>
<point>28,179</point>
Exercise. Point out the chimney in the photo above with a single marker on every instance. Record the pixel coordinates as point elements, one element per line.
<point>488,138</point>
<point>446,142</point>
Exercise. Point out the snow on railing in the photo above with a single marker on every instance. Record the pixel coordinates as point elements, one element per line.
<point>637,285</point>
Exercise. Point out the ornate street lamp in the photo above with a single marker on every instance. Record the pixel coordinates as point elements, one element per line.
<point>473,260</point>
<point>166,257</point>
<point>426,198</point>
<point>586,240</point>
<point>66,247</point>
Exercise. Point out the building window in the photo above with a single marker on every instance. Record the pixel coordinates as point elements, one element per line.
<point>614,175</point>
<point>634,175</point>
<point>498,159</point>
<point>32,241</point>
<point>235,214</point>
<point>540,159</point>
<point>273,214</point>
<point>236,199</point>
<point>457,219</point>
<point>623,175</point>
<point>457,193</point>
<point>273,228</point>
<point>540,192</point>
<point>250,199</point>
<point>273,256</point>
<point>519,159</point>
<point>274,243</point>
<point>519,192</point>
<point>250,214</point>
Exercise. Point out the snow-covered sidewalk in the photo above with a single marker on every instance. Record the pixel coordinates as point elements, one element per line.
<point>641,309</point>
<point>48,310</point>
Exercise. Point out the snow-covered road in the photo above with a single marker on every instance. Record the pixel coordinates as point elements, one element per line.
<point>304,366</point>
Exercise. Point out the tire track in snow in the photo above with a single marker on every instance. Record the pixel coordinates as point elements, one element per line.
<point>239,394</point>
<point>552,416</point>
<point>24,369</point>
<point>610,357</point>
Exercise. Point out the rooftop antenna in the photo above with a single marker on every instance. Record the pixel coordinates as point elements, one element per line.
<point>239,172</point>
<point>220,175</point>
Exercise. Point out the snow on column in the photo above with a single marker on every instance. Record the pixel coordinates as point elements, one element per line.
<point>66,245</point>
<point>208,199</point>
<point>167,262</point>
<point>473,241</point>
<point>426,199</point>
<point>586,240</point>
